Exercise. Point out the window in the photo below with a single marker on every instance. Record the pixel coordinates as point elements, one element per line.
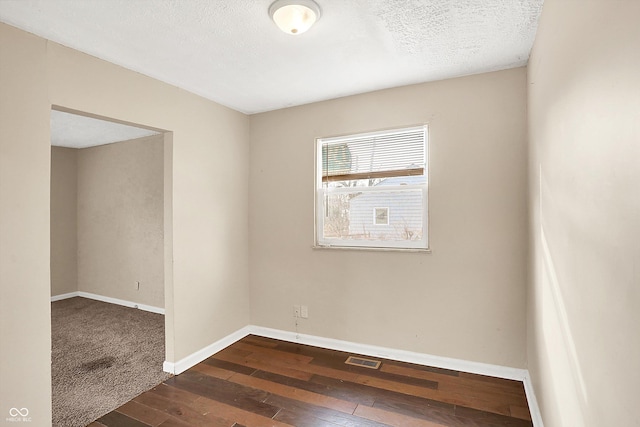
<point>371,190</point>
<point>381,216</point>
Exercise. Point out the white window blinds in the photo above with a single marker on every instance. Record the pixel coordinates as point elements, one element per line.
<point>374,155</point>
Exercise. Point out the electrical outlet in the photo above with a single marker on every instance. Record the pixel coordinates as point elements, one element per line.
<point>304,311</point>
<point>137,285</point>
<point>296,311</point>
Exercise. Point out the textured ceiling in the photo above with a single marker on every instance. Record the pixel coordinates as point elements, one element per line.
<point>74,131</point>
<point>230,51</point>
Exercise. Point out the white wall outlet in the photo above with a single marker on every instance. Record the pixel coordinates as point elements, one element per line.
<point>137,285</point>
<point>304,311</point>
<point>296,311</point>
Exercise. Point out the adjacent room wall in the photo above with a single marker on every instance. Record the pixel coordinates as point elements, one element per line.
<point>207,296</point>
<point>64,224</point>
<point>466,299</point>
<point>584,132</point>
<point>120,220</point>
<point>107,220</point>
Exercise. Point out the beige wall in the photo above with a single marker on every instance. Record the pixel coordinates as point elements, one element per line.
<point>25,152</point>
<point>64,224</point>
<point>120,220</point>
<point>107,220</point>
<point>207,297</point>
<point>466,299</point>
<point>583,300</point>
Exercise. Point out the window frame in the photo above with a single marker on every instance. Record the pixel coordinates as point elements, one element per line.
<point>321,242</point>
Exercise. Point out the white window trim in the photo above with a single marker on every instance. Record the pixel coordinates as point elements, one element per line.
<point>321,242</point>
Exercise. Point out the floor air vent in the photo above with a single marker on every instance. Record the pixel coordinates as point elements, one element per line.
<point>365,363</point>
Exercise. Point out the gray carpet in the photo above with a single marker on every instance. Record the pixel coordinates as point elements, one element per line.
<point>103,355</point>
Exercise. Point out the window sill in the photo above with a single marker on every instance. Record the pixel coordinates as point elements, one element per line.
<point>371,249</point>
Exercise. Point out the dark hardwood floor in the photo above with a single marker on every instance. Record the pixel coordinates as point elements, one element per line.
<point>263,382</point>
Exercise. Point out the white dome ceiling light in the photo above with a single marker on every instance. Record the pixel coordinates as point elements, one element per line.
<point>294,16</point>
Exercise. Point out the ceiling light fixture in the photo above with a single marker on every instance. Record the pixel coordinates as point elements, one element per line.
<point>294,16</point>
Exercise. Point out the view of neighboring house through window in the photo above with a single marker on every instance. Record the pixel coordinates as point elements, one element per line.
<point>371,190</point>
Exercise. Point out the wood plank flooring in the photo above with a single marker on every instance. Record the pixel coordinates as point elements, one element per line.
<point>264,382</point>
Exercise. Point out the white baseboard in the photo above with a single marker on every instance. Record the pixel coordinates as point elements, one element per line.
<point>536,415</point>
<point>110,300</point>
<point>394,354</point>
<point>197,357</point>
<point>65,296</point>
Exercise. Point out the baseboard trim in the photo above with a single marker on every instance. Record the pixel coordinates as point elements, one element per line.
<point>110,300</point>
<point>395,354</point>
<point>367,350</point>
<point>202,354</point>
<point>64,296</point>
<point>536,415</point>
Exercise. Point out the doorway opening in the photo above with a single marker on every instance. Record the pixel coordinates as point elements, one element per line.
<point>111,250</point>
